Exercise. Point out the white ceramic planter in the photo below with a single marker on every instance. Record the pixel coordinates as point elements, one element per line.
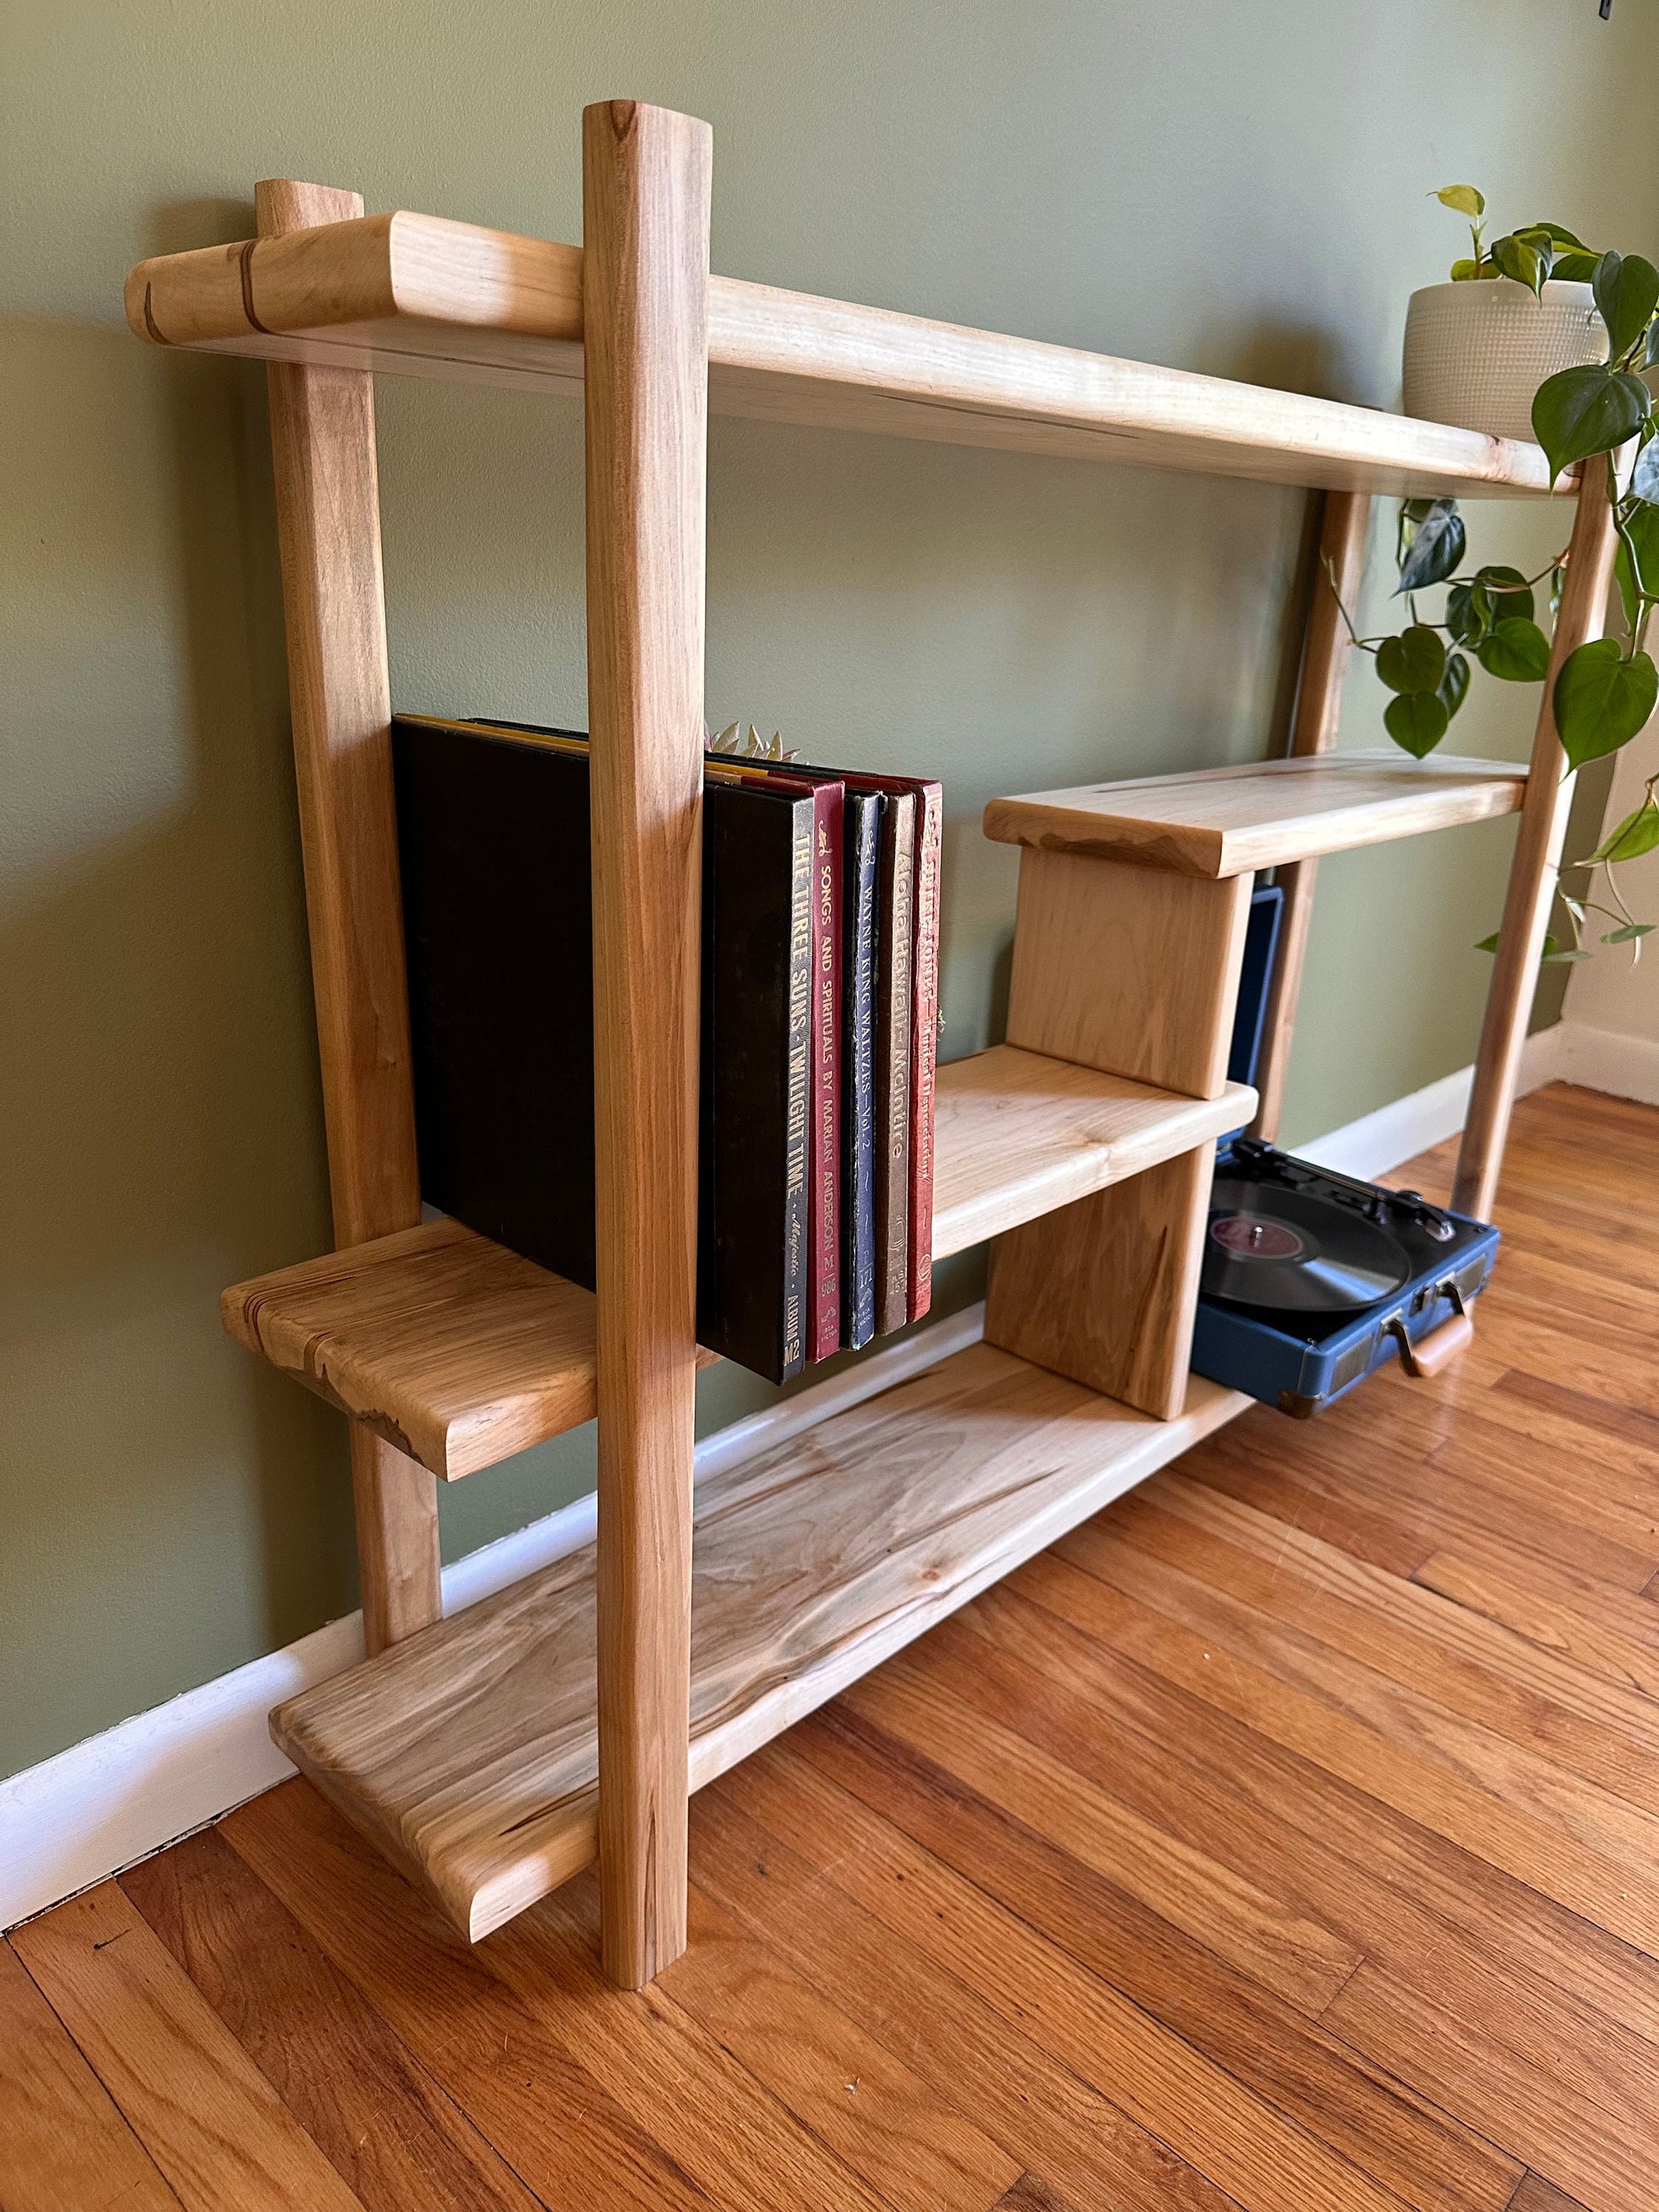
<point>1476,353</point>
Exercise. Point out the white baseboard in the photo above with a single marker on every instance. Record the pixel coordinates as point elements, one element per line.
<point>1606,1060</point>
<point>101,1805</point>
<point>1400,1131</point>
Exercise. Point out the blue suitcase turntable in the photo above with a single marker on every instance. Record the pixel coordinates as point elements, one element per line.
<point>1311,1280</point>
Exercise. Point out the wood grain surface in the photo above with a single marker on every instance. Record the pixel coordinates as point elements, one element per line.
<point>1327,646</point>
<point>460,1352</point>
<point>413,294</point>
<point>1097,947</point>
<point>328,523</point>
<point>1532,873</point>
<point>646,181</point>
<point>1219,821</point>
<point>1104,1291</point>
<point>63,2140</point>
<point>468,1753</point>
<point>1286,1837</point>
<point>1020,1133</point>
<point>454,1349</point>
<point>189,2090</point>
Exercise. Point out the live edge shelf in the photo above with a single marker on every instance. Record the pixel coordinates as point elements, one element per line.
<point>460,1352</point>
<point>469,1753</point>
<point>1082,1149</point>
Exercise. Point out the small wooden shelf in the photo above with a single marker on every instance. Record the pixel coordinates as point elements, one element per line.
<point>413,294</point>
<point>1224,821</point>
<point>460,1353</point>
<point>469,1752</point>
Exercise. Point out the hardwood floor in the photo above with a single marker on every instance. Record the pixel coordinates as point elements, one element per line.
<point>1287,1838</point>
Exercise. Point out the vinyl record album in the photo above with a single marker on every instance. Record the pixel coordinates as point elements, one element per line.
<point>1268,1246</point>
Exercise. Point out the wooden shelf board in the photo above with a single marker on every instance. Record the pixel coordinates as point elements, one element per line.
<point>1227,821</point>
<point>460,1353</point>
<point>469,1753</point>
<point>413,294</point>
<point>1018,1134</point>
<point>452,1347</point>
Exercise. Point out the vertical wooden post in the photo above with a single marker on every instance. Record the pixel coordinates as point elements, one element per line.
<point>328,517</point>
<point>1318,704</point>
<point>1582,616</point>
<point>646,175</point>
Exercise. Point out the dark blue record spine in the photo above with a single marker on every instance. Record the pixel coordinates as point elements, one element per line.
<point>858,1117</point>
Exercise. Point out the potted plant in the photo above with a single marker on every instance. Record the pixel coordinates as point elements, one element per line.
<point>1600,414</point>
<point>1515,312</point>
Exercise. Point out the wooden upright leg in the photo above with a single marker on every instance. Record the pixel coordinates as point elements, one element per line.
<point>328,516</point>
<point>1582,615</point>
<point>1318,704</point>
<point>645,190</point>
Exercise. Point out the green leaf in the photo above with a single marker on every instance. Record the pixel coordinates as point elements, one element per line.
<point>1602,699</point>
<point>1464,199</point>
<point>1651,360</point>
<point>1629,934</point>
<point>1585,410</point>
<point>1572,952</point>
<point>1552,950</point>
<point>1645,476</point>
<point>1454,684</point>
<point>1499,592</point>
<point>1416,721</point>
<point>1414,661</point>
<point>1522,262</point>
<point>1436,549</point>
<point>1626,292</point>
<point>1574,268</point>
<point>1515,649</point>
<point>1636,834</point>
<point>1466,619</point>
<point>1465,271</point>
<point>1558,235</point>
<point>1642,532</point>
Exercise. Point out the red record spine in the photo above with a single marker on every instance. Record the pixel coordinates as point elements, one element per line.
<point>924,1048</point>
<point>823,1241</point>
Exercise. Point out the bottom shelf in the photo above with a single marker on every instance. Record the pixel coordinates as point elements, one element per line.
<point>469,1753</point>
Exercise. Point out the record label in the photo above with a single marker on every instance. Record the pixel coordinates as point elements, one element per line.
<point>1251,1236</point>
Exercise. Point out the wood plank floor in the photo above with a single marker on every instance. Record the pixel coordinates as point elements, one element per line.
<point>1287,1839</point>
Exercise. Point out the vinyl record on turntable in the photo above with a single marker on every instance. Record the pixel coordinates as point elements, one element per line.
<point>1269,1246</point>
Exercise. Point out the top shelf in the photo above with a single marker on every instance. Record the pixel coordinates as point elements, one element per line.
<point>1223,822</point>
<point>416,295</point>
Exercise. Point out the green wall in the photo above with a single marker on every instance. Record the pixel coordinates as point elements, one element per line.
<point>1240,189</point>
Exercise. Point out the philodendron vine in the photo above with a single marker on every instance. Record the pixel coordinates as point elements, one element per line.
<point>1605,692</point>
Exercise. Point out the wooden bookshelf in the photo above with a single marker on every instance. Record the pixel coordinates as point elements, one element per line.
<point>460,1352</point>
<point>469,1752</point>
<point>1265,814</point>
<point>469,1749</point>
<point>413,296</point>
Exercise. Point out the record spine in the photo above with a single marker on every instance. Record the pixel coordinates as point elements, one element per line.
<point>825,1235</point>
<point>924,1045</point>
<point>798,1123</point>
<point>863,859</point>
<point>892,1087</point>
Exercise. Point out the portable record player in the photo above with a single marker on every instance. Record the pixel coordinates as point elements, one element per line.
<point>1311,1280</point>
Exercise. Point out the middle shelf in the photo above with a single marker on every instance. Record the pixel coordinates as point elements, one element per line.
<point>461,1352</point>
